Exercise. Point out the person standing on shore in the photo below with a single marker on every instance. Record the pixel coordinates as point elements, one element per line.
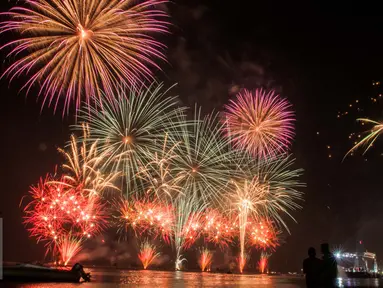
<point>312,268</point>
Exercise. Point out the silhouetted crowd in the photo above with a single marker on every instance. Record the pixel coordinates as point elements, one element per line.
<point>320,272</point>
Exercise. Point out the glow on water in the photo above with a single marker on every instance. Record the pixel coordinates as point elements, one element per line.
<point>147,278</point>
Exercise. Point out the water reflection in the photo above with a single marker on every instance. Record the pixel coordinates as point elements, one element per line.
<point>157,279</point>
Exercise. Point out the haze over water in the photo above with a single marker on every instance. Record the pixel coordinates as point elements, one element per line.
<point>128,278</point>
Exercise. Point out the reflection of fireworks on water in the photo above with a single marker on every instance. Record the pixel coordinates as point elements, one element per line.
<point>205,259</point>
<point>148,217</point>
<point>148,253</point>
<point>129,130</point>
<point>260,123</point>
<point>63,216</point>
<point>75,49</point>
<point>263,261</point>
<point>68,247</point>
<point>242,260</point>
<point>369,140</point>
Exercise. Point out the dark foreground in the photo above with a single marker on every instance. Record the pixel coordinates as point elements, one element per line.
<point>157,279</point>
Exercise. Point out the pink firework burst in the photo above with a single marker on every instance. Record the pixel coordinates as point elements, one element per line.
<point>260,122</point>
<point>73,49</point>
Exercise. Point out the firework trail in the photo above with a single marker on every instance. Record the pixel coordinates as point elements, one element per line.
<point>205,259</point>
<point>130,130</point>
<point>148,253</point>
<point>263,262</point>
<point>260,122</point>
<point>369,140</point>
<point>76,49</point>
<point>242,260</point>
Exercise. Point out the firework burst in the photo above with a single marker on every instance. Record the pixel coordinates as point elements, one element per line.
<point>201,167</point>
<point>62,216</point>
<point>148,253</point>
<point>131,129</point>
<point>261,190</point>
<point>260,122</point>
<point>369,140</point>
<point>145,217</point>
<point>74,49</point>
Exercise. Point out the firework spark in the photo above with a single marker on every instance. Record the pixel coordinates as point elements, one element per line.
<point>371,137</point>
<point>205,260</point>
<point>74,49</point>
<point>260,123</point>
<point>131,129</point>
<point>148,253</point>
<point>263,262</point>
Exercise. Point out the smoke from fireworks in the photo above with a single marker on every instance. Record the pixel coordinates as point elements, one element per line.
<point>260,122</point>
<point>148,253</point>
<point>74,49</point>
<point>205,259</point>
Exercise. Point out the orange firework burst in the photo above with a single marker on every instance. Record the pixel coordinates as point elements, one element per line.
<point>205,260</point>
<point>145,216</point>
<point>74,49</point>
<point>148,253</point>
<point>262,234</point>
<point>63,216</point>
<point>260,123</point>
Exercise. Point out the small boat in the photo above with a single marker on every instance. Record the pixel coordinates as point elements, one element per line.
<point>36,273</point>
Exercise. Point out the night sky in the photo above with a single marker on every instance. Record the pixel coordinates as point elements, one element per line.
<point>320,56</point>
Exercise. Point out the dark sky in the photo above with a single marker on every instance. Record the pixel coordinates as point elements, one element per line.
<point>320,56</point>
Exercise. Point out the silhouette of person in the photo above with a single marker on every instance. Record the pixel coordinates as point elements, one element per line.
<point>329,267</point>
<point>312,268</point>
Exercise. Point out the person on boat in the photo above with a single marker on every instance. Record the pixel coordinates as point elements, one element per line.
<point>312,268</point>
<point>329,271</point>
